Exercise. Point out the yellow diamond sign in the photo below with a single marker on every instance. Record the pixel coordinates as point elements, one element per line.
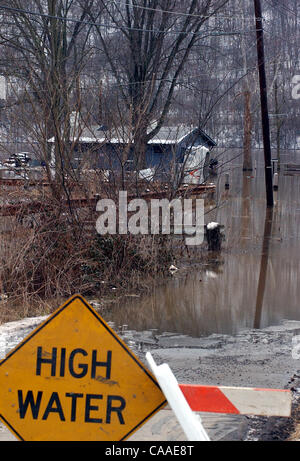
<point>73,378</point>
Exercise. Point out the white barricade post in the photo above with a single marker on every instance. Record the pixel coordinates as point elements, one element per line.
<point>189,421</point>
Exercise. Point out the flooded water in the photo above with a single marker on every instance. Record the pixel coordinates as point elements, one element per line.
<point>252,283</point>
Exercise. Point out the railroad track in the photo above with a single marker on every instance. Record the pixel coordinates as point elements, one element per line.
<point>26,208</point>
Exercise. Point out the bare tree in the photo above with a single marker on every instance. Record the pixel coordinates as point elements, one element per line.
<point>147,52</point>
<point>46,47</point>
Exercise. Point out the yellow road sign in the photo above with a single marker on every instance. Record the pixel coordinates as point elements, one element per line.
<point>73,378</point>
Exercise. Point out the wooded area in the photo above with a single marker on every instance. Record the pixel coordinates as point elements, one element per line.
<point>144,64</point>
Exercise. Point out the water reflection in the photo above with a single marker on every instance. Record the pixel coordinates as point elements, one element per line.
<point>254,281</point>
<point>263,267</point>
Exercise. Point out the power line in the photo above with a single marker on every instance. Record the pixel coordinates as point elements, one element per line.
<point>180,82</point>
<point>281,7</point>
<point>179,13</point>
<point>117,27</point>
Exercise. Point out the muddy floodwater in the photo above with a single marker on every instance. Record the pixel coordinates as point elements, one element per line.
<point>252,283</point>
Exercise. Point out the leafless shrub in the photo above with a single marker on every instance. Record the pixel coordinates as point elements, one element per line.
<point>53,258</point>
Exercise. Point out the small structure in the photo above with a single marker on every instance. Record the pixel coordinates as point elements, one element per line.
<point>109,149</point>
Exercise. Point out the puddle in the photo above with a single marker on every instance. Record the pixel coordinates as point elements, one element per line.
<point>252,283</point>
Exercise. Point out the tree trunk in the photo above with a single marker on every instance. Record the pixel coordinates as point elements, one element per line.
<point>140,143</point>
<point>278,123</point>
<point>247,166</point>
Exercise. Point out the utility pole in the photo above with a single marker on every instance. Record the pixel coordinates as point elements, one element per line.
<point>264,103</point>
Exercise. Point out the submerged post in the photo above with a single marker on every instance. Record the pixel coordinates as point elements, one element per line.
<point>227,181</point>
<point>214,236</point>
<point>275,181</point>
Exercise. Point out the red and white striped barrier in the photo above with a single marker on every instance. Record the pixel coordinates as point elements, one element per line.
<point>238,400</point>
<point>187,399</point>
<point>234,400</point>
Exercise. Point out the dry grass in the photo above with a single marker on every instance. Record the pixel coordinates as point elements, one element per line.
<point>47,257</point>
<point>58,254</point>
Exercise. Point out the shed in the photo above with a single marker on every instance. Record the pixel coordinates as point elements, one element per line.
<point>108,149</point>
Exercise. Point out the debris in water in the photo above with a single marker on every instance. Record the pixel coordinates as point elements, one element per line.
<point>173,269</point>
<point>212,225</point>
<point>211,274</point>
